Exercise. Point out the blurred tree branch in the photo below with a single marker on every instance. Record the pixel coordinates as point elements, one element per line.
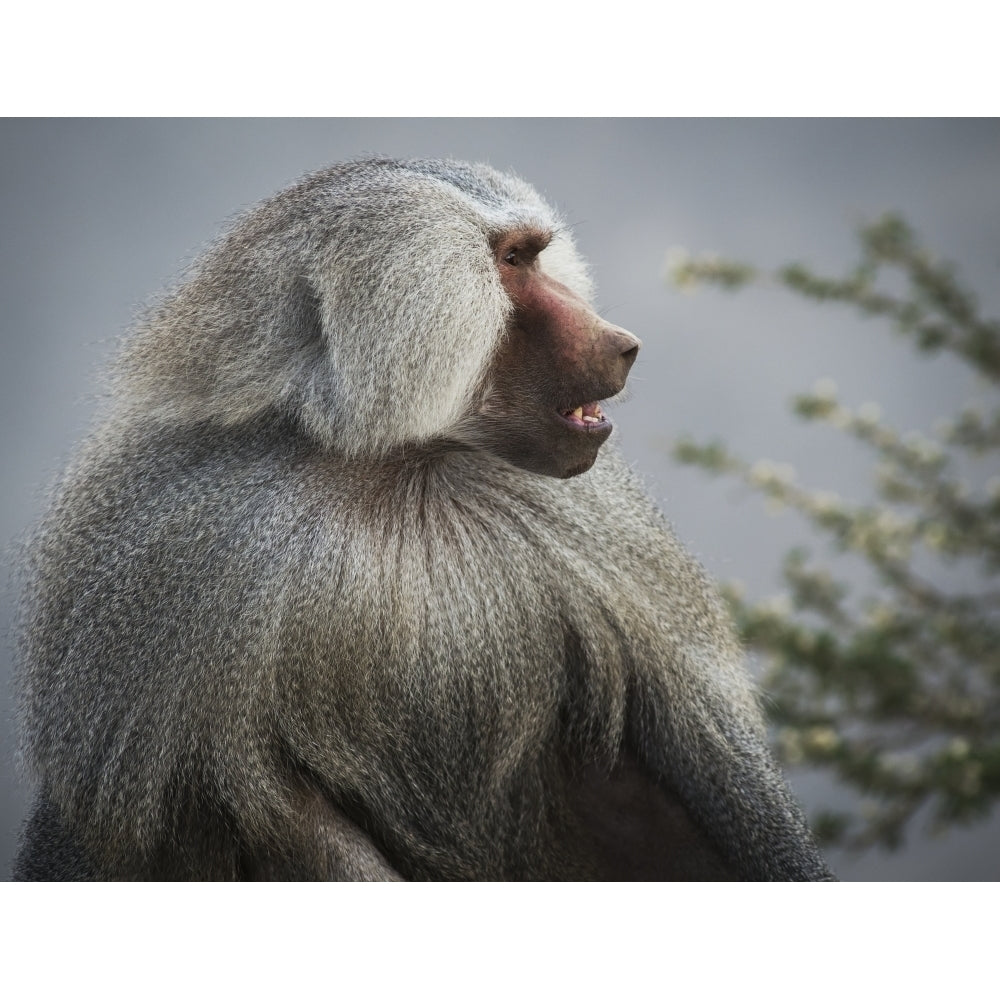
<point>896,691</point>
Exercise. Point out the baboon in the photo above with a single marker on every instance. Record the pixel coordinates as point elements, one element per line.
<point>344,585</point>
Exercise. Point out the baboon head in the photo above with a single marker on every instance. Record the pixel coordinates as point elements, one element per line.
<point>558,362</point>
<point>390,305</point>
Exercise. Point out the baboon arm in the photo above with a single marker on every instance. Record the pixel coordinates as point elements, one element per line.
<point>724,774</point>
<point>743,804</point>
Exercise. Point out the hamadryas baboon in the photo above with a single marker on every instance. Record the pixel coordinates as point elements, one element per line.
<point>344,584</point>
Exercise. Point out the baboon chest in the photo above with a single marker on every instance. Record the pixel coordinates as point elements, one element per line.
<point>467,630</point>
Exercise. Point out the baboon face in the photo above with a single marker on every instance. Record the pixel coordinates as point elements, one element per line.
<point>557,364</point>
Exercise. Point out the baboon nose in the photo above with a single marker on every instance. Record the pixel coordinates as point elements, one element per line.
<point>626,346</point>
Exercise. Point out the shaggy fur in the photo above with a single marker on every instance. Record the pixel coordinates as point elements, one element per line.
<point>286,619</point>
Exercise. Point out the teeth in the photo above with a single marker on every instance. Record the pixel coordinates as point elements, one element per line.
<point>593,416</point>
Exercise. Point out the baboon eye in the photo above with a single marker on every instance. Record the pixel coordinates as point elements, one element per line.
<point>513,257</point>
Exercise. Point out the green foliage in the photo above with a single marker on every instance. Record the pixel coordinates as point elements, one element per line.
<point>896,691</point>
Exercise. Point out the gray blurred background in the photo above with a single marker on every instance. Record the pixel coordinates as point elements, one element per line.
<point>96,216</point>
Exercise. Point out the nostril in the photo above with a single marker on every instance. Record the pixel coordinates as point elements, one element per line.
<point>618,348</point>
<point>629,348</point>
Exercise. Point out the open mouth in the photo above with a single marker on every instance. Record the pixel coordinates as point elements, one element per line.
<point>587,417</point>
